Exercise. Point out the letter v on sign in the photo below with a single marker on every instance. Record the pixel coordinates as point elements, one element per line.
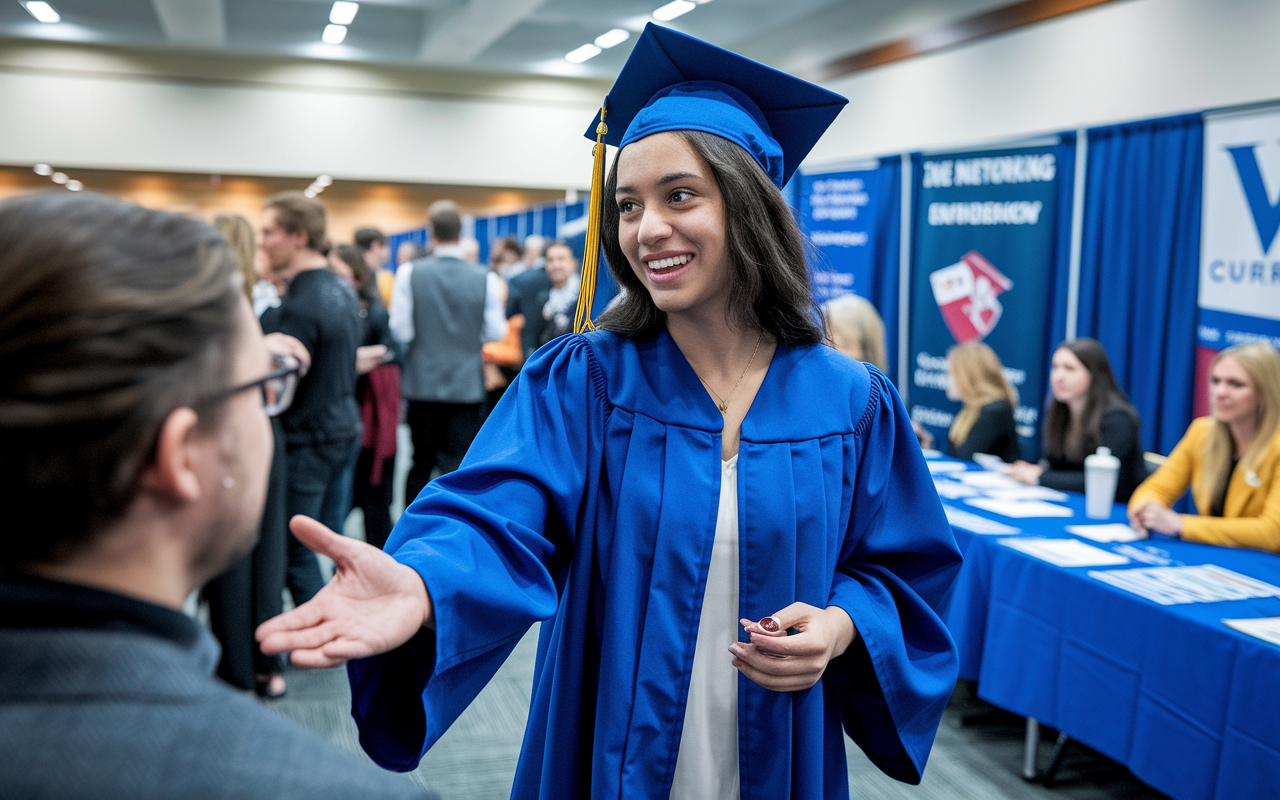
<point>1266,215</point>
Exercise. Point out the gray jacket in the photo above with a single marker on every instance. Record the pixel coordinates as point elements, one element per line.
<point>443,364</point>
<point>115,714</point>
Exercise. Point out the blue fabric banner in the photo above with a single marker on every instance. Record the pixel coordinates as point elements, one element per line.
<point>985,247</point>
<point>1138,264</point>
<point>852,220</point>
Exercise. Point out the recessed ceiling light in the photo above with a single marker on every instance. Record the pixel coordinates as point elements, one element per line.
<point>42,11</point>
<point>59,177</point>
<point>42,169</point>
<point>75,185</point>
<point>582,54</point>
<point>674,9</point>
<point>343,12</point>
<point>334,34</point>
<point>614,37</point>
<point>310,193</point>
<point>324,180</point>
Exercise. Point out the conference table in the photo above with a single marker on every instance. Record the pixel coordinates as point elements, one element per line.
<point>1189,704</point>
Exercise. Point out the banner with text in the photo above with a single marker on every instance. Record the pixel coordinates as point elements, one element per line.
<point>840,213</point>
<point>1239,257</point>
<point>982,252</point>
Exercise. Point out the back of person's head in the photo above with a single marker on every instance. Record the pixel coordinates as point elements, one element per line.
<point>856,329</point>
<point>295,212</point>
<point>1262,363</point>
<point>366,238</point>
<point>1104,395</point>
<point>980,380</point>
<point>535,247</point>
<point>769,274</point>
<point>111,317</point>
<point>445,220</point>
<point>238,231</point>
<point>365,284</point>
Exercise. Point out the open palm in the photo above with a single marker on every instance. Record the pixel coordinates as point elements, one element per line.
<point>372,605</point>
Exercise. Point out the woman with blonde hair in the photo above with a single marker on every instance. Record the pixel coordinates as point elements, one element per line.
<point>1229,459</point>
<point>985,424</point>
<point>856,329</point>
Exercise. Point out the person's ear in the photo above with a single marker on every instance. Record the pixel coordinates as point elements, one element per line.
<point>173,473</point>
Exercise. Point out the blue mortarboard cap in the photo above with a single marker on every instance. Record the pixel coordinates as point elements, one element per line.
<point>676,82</point>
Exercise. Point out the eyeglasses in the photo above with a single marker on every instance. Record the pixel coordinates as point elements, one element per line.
<point>277,388</point>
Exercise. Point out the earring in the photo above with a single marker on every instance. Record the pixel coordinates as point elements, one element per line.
<point>228,482</point>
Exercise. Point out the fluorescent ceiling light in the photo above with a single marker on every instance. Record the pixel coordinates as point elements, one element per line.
<point>334,34</point>
<point>614,37</point>
<point>58,177</point>
<point>582,54</point>
<point>42,11</point>
<point>74,185</point>
<point>323,180</point>
<point>674,9</point>
<point>310,193</point>
<point>343,12</point>
<point>43,169</point>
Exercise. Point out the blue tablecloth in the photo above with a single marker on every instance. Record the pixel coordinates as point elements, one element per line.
<point>1190,705</point>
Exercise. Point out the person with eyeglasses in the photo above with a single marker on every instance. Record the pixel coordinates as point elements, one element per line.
<point>135,389</point>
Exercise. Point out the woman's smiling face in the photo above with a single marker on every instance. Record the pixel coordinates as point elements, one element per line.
<point>671,225</point>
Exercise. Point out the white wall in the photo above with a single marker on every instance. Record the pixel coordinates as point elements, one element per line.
<point>78,106</point>
<point>1126,60</point>
<point>95,109</point>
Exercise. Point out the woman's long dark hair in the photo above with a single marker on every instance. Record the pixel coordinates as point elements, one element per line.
<point>1104,395</point>
<point>770,277</point>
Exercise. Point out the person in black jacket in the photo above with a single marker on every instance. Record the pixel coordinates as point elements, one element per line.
<point>1087,410</point>
<point>985,424</point>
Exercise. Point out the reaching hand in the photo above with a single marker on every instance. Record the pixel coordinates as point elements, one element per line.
<point>790,663</point>
<point>372,605</point>
<point>1157,517</point>
<point>1024,472</point>
<point>282,344</point>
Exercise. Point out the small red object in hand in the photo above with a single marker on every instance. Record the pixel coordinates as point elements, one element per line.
<point>771,624</point>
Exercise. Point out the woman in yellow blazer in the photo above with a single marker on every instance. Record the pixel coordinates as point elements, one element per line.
<point>1230,459</point>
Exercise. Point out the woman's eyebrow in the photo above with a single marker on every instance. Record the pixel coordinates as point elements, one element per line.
<point>663,181</point>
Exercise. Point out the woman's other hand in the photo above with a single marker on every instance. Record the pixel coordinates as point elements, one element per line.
<point>1157,517</point>
<point>282,344</point>
<point>790,663</point>
<point>370,357</point>
<point>373,604</point>
<point>1025,472</point>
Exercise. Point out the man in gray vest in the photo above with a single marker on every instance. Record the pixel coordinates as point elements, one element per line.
<point>443,309</point>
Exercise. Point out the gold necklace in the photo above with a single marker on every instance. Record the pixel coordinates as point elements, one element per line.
<point>723,402</point>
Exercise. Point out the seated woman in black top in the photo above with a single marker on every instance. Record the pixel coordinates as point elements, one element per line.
<point>1087,410</point>
<point>985,424</point>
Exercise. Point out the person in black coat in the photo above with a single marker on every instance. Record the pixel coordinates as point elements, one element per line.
<point>985,424</point>
<point>1087,410</point>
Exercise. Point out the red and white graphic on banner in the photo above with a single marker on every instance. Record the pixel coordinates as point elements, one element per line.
<point>967,294</point>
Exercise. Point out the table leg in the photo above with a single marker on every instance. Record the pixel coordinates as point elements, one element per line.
<point>1032,744</point>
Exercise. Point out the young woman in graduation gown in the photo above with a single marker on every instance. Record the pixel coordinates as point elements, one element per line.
<point>650,489</point>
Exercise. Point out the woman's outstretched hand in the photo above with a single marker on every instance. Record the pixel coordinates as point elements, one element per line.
<point>790,663</point>
<point>372,605</point>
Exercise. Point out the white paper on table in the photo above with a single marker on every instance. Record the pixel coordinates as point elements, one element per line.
<point>1065,552</point>
<point>1020,509</point>
<point>1202,583</point>
<point>1265,628</point>
<point>985,479</point>
<point>1026,493</point>
<point>1110,532</point>
<point>988,461</point>
<point>927,453</point>
<point>940,467</point>
<point>952,489</point>
<point>974,523</point>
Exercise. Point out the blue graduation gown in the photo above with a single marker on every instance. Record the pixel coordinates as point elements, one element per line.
<point>589,501</point>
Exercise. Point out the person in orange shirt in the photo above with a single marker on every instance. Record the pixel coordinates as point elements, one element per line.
<point>1230,460</point>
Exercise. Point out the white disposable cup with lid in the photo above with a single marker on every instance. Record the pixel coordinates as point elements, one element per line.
<point>1101,472</point>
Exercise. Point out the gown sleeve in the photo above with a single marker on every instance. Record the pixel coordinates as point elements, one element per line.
<point>489,541</point>
<point>896,568</point>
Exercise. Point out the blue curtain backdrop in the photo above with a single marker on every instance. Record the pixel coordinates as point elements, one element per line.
<point>888,248</point>
<point>1139,265</point>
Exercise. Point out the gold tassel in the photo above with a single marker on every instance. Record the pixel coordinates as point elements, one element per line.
<point>591,253</point>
